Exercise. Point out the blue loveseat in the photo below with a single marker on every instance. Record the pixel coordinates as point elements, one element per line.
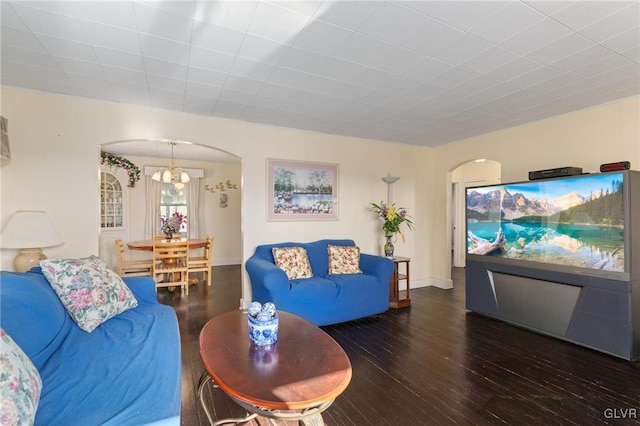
<point>322,299</point>
<point>125,372</point>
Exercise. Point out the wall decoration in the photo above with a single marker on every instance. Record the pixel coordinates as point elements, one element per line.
<point>300,190</point>
<point>116,161</point>
<point>222,187</point>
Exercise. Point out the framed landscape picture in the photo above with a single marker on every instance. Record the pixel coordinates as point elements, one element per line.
<point>298,190</point>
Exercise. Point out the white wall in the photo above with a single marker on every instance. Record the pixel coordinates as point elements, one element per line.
<point>54,142</point>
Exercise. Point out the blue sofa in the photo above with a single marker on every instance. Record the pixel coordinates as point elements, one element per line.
<point>322,299</point>
<point>125,372</point>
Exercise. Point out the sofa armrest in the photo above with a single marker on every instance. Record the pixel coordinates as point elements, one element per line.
<point>268,282</point>
<point>378,266</point>
<point>143,288</point>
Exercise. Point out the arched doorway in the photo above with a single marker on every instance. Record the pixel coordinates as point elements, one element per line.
<point>477,172</point>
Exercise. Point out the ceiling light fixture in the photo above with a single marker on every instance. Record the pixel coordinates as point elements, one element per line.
<point>173,174</point>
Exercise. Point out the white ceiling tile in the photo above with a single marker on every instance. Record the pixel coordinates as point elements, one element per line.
<point>73,66</point>
<point>30,57</point>
<point>339,69</point>
<point>125,76</point>
<point>462,48</point>
<point>162,82</point>
<point>203,102</point>
<point>216,37</point>
<point>118,14</point>
<point>629,71</point>
<point>181,7</point>
<point>351,91</point>
<point>265,102</point>
<point>320,85</point>
<point>204,76</point>
<point>193,88</point>
<point>379,97</point>
<point>549,7</point>
<point>112,37</point>
<point>539,34</point>
<point>321,37</point>
<point>210,59</point>
<point>347,14</point>
<point>14,37</point>
<point>306,8</point>
<point>391,22</point>
<point>580,14</point>
<point>508,20</point>
<point>625,41</point>
<point>301,60</point>
<point>165,68</point>
<point>583,59</point>
<point>454,77</point>
<point>613,25</point>
<point>396,60</point>
<point>400,84</point>
<point>242,84</point>
<point>42,22</point>
<point>287,77</point>
<point>465,14</point>
<point>372,78</point>
<point>429,37</point>
<point>57,7</point>
<point>361,49</point>
<point>118,58</point>
<point>231,14</point>
<point>427,69</point>
<point>261,50</point>
<point>159,22</point>
<point>164,49</point>
<point>535,77</point>
<point>512,69</point>
<point>67,48</point>
<point>632,54</point>
<point>489,60</point>
<point>251,69</point>
<point>9,18</point>
<point>559,49</point>
<point>275,91</point>
<point>276,23</point>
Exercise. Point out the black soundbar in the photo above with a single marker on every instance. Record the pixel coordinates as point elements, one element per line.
<point>551,173</point>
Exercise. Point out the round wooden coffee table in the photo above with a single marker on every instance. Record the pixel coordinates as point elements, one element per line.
<point>296,378</point>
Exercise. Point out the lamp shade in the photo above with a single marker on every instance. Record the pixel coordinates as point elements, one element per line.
<point>29,229</point>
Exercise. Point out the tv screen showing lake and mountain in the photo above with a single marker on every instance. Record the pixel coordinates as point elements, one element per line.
<point>576,221</point>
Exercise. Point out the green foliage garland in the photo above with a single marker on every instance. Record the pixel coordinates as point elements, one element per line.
<point>116,161</point>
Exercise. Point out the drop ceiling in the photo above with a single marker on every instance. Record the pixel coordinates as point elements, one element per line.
<point>416,72</point>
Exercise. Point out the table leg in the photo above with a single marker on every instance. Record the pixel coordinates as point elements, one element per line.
<point>201,385</point>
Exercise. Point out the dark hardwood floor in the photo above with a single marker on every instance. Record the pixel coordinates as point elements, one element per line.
<point>435,364</point>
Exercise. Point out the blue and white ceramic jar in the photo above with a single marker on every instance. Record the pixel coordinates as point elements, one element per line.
<point>263,332</point>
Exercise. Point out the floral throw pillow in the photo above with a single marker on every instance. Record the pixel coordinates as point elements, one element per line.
<point>89,290</point>
<point>344,260</point>
<point>20,384</point>
<point>293,261</point>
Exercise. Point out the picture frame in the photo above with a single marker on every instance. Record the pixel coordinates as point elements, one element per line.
<point>301,190</point>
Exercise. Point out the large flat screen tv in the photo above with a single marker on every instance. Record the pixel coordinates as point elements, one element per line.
<point>570,224</point>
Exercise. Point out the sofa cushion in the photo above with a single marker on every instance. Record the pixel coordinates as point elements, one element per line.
<point>293,261</point>
<point>89,290</point>
<point>344,260</point>
<point>31,313</point>
<point>20,384</point>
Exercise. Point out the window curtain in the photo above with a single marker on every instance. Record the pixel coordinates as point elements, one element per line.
<point>153,191</point>
<point>193,208</point>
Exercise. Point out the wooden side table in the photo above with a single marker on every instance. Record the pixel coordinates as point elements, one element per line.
<point>398,299</point>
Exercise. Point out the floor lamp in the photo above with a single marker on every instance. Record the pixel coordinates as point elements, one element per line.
<point>29,231</point>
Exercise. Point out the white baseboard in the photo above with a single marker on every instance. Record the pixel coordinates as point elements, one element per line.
<point>431,282</point>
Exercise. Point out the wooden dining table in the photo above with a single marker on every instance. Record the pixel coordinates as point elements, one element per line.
<point>147,245</point>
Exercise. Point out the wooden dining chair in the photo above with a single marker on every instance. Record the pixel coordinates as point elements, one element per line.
<point>203,263</point>
<point>170,263</point>
<point>131,268</point>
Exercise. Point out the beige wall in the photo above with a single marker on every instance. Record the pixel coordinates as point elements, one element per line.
<point>585,138</point>
<point>54,143</point>
<point>54,167</point>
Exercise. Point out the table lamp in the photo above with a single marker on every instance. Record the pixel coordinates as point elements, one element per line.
<point>29,231</point>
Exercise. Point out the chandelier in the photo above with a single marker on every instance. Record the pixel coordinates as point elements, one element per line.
<point>173,174</point>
